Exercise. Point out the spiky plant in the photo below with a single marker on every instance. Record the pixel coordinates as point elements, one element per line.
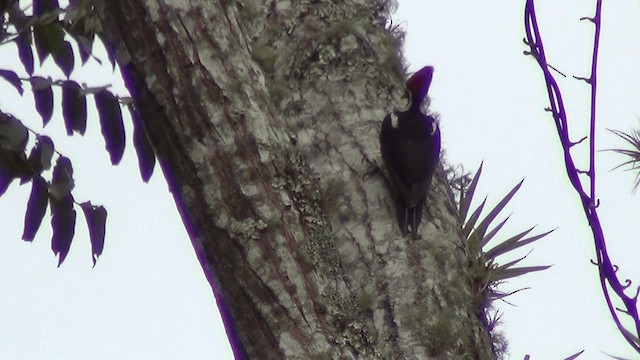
<point>486,272</point>
<point>633,155</point>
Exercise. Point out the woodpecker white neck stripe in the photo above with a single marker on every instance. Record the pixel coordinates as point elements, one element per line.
<point>394,121</point>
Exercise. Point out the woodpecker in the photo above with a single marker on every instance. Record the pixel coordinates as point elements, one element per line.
<point>410,147</point>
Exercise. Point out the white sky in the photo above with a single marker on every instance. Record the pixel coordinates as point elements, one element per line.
<point>491,100</point>
<point>147,296</point>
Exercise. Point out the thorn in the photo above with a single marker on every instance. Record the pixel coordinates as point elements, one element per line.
<point>571,144</point>
<point>556,70</point>
<point>623,311</point>
<point>593,20</point>
<point>587,80</point>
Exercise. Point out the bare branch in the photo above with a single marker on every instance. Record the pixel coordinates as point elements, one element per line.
<point>608,271</point>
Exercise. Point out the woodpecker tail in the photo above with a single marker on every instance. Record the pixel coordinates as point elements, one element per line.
<point>415,214</point>
<point>403,217</point>
<point>410,217</point>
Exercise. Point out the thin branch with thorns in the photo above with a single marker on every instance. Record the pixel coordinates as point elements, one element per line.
<point>608,277</point>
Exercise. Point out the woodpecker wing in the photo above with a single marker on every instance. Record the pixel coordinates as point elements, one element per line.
<point>410,147</point>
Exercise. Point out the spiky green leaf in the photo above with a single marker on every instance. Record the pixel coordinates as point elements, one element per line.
<point>486,222</point>
<point>575,356</point>
<point>503,274</point>
<point>515,242</point>
<point>634,155</point>
<point>470,224</point>
<point>495,231</point>
<point>467,196</point>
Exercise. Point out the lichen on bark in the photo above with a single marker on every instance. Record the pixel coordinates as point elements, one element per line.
<point>254,108</point>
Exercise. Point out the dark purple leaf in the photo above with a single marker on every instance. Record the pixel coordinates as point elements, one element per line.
<point>13,134</point>
<point>110,52</point>
<point>146,158</point>
<point>83,38</point>
<point>3,5</point>
<point>44,6</point>
<point>85,45</point>
<point>13,165</point>
<point>111,124</point>
<point>25,53</point>
<point>13,141</point>
<point>40,156</point>
<point>63,215</point>
<point>6,175</point>
<point>96,217</point>
<point>18,18</point>
<point>43,96</point>
<point>13,79</point>
<point>74,108</point>
<point>63,57</point>
<point>45,144</point>
<point>63,223</point>
<point>62,180</point>
<point>36,208</point>
<point>49,39</point>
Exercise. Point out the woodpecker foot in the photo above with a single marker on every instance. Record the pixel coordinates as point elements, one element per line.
<point>416,218</point>
<point>373,169</point>
<point>370,172</point>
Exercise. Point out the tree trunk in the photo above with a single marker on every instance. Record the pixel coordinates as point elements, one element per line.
<point>261,114</point>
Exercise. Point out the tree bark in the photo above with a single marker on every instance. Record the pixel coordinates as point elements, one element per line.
<point>261,114</point>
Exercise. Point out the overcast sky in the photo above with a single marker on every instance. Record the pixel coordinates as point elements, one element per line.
<point>148,298</point>
<point>491,99</point>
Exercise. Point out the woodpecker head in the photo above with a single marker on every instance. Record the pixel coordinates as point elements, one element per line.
<point>418,86</point>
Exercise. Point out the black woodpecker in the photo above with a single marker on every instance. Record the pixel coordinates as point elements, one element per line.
<point>410,147</point>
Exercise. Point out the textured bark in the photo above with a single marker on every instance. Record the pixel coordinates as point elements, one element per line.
<point>261,114</point>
